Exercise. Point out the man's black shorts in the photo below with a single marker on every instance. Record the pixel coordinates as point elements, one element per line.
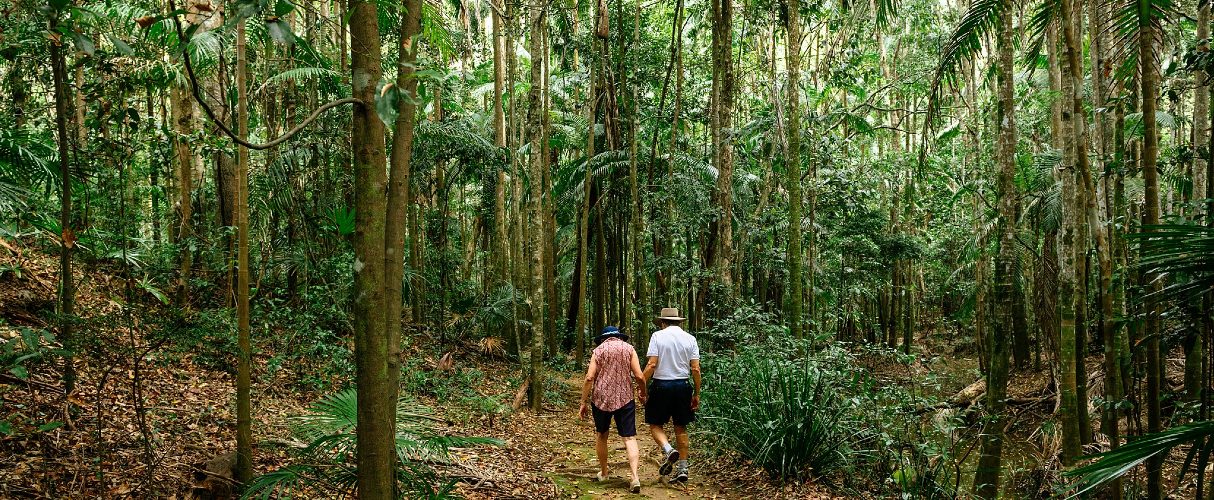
<point>625,419</point>
<point>669,400</point>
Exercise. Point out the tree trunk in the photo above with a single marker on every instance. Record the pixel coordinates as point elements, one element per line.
<point>1194,348</point>
<point>535,218</point>
<point>501,259</point>
<point>1149,69</point>
<point>720,247</point>
<point>376,453</point>
<point>183,127</point>
<point>244,419</point>
<point>67,241</point>
<point>642,309</point>
<point>986,480</point>
<point>551,295</point>
<point>399,194</point>
<point>584,216</point>
<point>793,129</point>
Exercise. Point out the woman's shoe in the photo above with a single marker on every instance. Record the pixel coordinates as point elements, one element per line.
<point>636,486</point>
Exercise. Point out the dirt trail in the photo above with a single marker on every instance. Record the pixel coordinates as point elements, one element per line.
<point>574,475</point>
<point>550,454</point>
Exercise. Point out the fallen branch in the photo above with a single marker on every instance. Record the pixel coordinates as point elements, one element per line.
<point>14,380</point>
<point>520,394</point>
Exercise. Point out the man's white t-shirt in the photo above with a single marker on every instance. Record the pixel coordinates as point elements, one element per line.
<point>675,348</point>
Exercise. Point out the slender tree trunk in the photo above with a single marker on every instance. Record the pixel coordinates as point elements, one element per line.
<point>551,295</point>
<point>67,241</point>
<point>535,218</point>
<point>986,480</point>
<point>244,418</point>
<point>501,237</point>
<point>720,248</point>
<point>584,213</point>
<point>376,452</point>
<point>1194,348</point>
<point>399,194</point>
<point>1149,69</point>
<point>638,209</point>
<point>183,127</point>
<point>1069,266</point>
<point>793,129</point>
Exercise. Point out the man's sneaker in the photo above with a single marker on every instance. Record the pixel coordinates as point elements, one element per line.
<point>600,477</point>
<point>636,486</point>
<point>671,458</point>
<point>681,474</point>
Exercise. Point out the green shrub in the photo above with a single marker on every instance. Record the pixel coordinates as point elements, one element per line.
<point>793,415</point>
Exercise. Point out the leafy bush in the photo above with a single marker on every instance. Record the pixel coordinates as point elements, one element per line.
<point>747,324</point>
<point>17,354</point>
<point>794,415</point>
<point>326,467</point>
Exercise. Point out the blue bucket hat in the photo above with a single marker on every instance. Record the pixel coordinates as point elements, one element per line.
<point>610,331</point>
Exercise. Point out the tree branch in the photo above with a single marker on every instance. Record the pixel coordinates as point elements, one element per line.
<point>194,90</point>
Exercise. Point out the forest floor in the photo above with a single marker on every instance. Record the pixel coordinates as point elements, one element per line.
<point>559,447</point>
<point>148,419</point>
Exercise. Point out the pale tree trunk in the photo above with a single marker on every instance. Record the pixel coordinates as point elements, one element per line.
<point>535,219</point>
<point>244,419</point>
<point>376,453</point>
<point>720,249</point>
<point>986,480</point>
<point>1149,69</point>
<point>551,295</point>
<point>67,241</point>
<point>1084,210</point>
<point>501,259</point>
<point>793,129</point>
<point>584,215</point>
<point>638,208</point>
<point>1193,346</point>
<point>183,127</point>
<point>399,191</point>
<point>1069,267</point>
<point>1098,226</point>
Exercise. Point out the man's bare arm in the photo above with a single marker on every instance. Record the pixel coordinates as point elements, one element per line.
<point>695,376</point>
<point>639,376</point>
<point>650,367</point>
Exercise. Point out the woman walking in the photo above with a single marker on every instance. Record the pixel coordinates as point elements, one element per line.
<point>614,367</point>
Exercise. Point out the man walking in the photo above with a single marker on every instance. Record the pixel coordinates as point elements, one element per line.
<point>674,363</point>
<point>613,367</point>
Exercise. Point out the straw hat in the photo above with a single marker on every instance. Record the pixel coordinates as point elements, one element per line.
<point>670,314</point>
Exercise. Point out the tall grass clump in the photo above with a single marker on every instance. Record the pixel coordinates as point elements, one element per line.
<point>794,415</point>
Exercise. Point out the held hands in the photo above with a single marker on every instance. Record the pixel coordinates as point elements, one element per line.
<point>583,411</point>
<point>695,402</point>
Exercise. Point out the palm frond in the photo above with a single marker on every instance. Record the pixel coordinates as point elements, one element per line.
<point>299,75</point>
<point>327,462</point>
<point>1043,16</point>
<point>1183,254</point>
<point>1114,464</point>
<point>963,44</point>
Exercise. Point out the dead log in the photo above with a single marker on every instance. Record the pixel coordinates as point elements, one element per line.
<point>520,394</point>
<point>214,480</point>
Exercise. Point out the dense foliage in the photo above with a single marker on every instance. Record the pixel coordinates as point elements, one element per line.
<point>865,209</point>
